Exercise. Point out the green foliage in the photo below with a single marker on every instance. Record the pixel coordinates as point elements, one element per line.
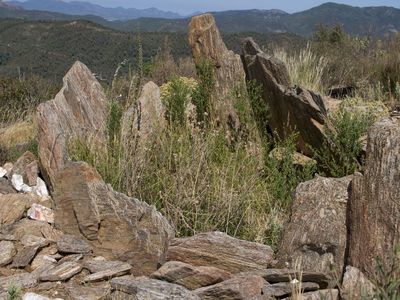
<point>341,151</point>
<point>13,292</point>
<point>387,277</point>
<point>176,101</point>
<point>202,95</point>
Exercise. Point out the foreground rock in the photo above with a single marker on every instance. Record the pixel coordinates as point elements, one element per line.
<point>13,207</point>
<point>189,276</point>
<point>290,109</point>
<point>219,250</point>
<point>374,210</point>
<point>79,111</point>
<point>238,288</point>
<point>144,288</point>
<point>114,225</point>
<point>320,295</point>
<point>315,236</point>
<point>356,285</point>
<point>207,46</point>
<point>7,252</point>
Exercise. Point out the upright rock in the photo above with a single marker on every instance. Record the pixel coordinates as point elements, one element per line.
<point>374,210</point>
<point>116,226</point>
<point>315,236</point>
<point>291,109</point>
<point>207,45</point>
<point>78,111</point>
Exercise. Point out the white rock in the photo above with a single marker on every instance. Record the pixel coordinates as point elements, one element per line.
<point>26,188</point>
<point>41,213</point>
<point>17,182</point>
<point>33,296</point>
<point>3,172</point>
<point>41,189</point>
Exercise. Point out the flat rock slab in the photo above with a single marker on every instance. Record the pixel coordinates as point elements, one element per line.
<point>7,252</point>
<point>86,293</point>
<point>280,290</point>
<point>239,288</point>
<point>30,240</point>
<point>62,272</point>
<point>320,295</point>
<point>24,256</point>
<point>216,249</point>
<point>189,276</point>
<point>145,288</point>
<point>72,244</point>
<point>120,270</point>
<point>286,275</point>
<point>94,265</point>
<point>21,281</point>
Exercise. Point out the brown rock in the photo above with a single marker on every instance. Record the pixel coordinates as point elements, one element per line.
<point>85,206</point>
<point>146,116</point>
<point>71,258</point>
<point>285,275</point>
<point>374,209</point>
<point>24,256</point>
<point>21,281</point>
<point>144,288</point>
<point>320,295</point>
<point>237,288</point>
<point>87,293</point>
<point>189,276</point>
<point>29,240</point>
<point>78,111</point>
<point>219,250</point>
<point>7,252</point>
<point>356,285</point>
<point>95,266</point>
<point>280,290</point>
<point>290,109</point>
<point>71,244</point>
<point>61,272</point>
<point>27,167</point>
<point>207,45</point>
<point>107,274</point>
<point>315,236</point>
<point>13,207</point>
<point>6,187</point>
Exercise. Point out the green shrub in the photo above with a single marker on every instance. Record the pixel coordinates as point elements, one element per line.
<point>13,292</point>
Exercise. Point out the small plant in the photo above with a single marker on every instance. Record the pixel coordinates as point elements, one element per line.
<point>202,95</point>
<point>13,292</point>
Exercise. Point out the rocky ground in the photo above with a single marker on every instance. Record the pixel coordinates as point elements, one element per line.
<point>66,234</point>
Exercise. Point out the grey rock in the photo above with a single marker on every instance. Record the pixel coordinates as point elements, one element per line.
<point>7,252</point>
<point>6,187</point>
<point>24,256</point>
<point>320,295</point>
<point>21,281</point>
<point>280,290</point>
<point>144,288</point>
<point>71,244</point>
<point>356,285</point>
<point>95,266</point>
<point>117,271</point>
<point>87,293</point>
<point>61,272</point>
<point>216,249</point>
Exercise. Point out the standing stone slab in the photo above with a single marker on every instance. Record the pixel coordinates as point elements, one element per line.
<point>78,111</point>
<point>207,45</point>
<point>374,210</point>
<point>115,226</point>
<point>290,109</point>
<point>315,236</point>
<point>216,249</point>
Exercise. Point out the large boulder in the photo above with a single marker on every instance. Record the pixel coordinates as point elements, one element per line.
<point>315,236</point>
<point>79,111</point>
<point>374,209</point>
<point>207,45</point>
<point>216,249</point>
<point>116,226</point>
<point>290,109</point>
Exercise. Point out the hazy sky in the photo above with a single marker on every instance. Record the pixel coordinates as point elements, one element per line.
<point>188,6</point>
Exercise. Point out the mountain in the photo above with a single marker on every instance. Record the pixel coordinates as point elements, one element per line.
<point>375,21</point>
<point>49,48</point>
<point>87,8</point>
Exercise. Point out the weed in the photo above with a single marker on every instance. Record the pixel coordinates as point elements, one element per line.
<point>13,292</point>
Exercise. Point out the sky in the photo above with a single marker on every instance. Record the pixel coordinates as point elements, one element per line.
<point>189,6</point>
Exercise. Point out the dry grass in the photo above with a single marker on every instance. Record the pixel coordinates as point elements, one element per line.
<point>17,133</point>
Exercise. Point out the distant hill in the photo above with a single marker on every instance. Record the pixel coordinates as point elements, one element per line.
<point>87,8</point>
<point>49,48</point>
<point>376,21</point>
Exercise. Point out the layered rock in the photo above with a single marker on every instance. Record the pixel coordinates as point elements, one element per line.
<point>315,236</point>
<point>79,111</point>
<point>219,250</point>
<point>290,109</point>
<point>374,208</point>
<point>207,46</point>
<point>116,226</point>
